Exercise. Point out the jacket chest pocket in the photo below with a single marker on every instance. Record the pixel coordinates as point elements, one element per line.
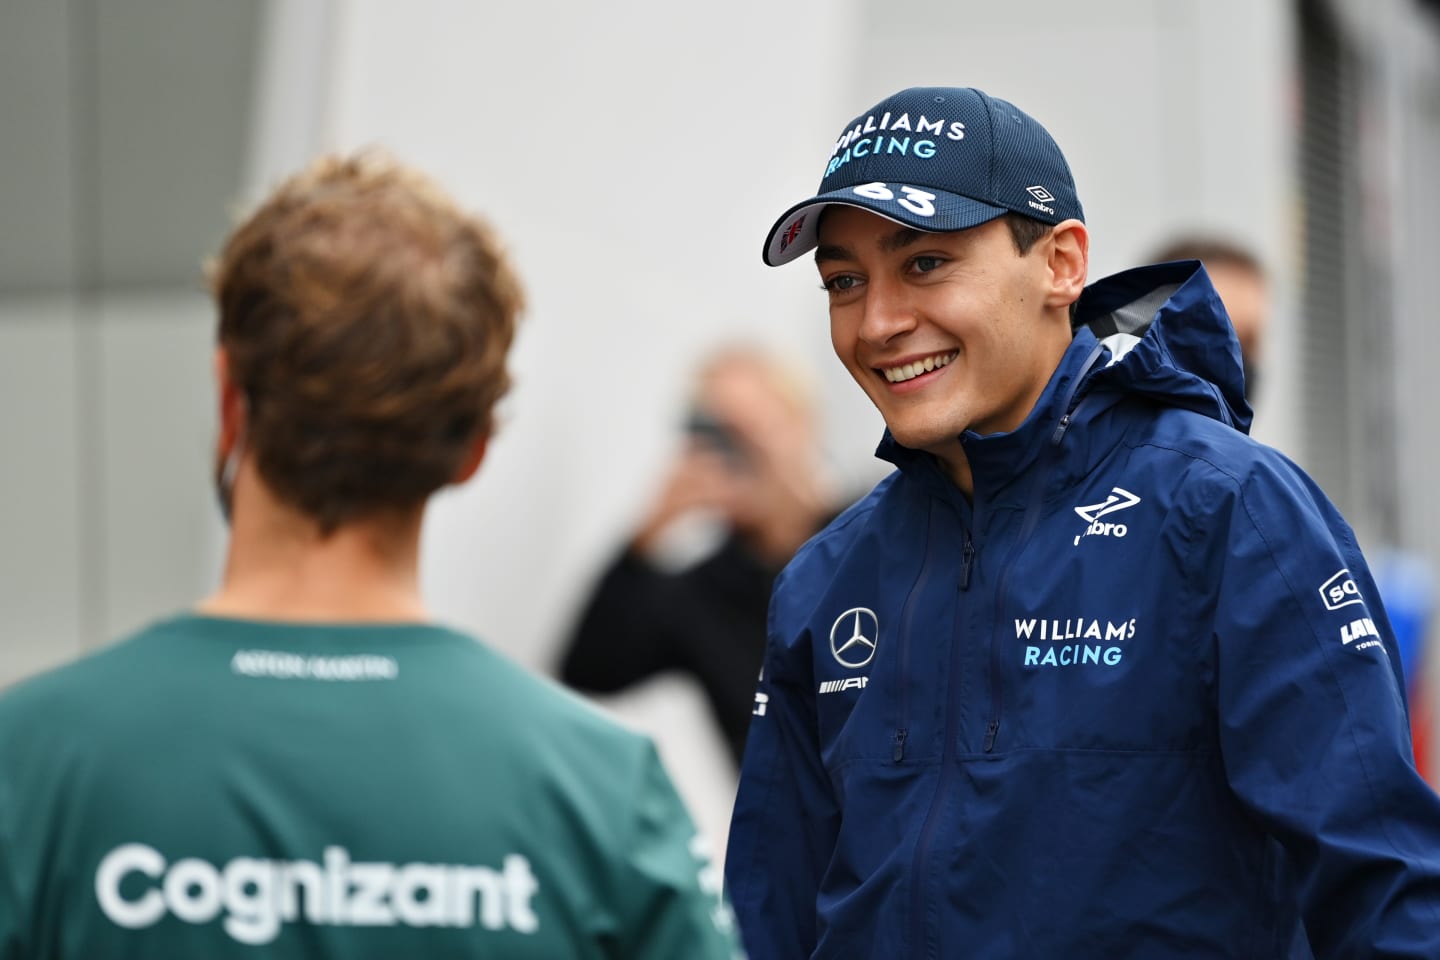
<point>881,667</point>
<point>858,687</point>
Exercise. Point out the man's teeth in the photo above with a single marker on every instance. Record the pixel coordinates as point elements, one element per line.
<point>910,371</point>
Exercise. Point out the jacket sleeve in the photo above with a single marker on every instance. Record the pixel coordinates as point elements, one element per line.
<point>785,821</point>
<point>1313,725</point>
<point>672,902</point>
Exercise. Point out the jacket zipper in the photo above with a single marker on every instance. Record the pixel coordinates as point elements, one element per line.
<point>947,765</point>
<point>992,729</point>
<point>1027,527</point>
<point>1033,509</point>
<point>902,730</point>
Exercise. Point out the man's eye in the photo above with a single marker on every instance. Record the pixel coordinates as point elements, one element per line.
<point>926,264</point>
<point>840,284</point>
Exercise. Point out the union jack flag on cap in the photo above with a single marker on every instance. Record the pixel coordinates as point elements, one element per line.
<point>791,233</point>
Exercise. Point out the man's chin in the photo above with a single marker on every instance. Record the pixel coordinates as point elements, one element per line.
<point>930,439</point>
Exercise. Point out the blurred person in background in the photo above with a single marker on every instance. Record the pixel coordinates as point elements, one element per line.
<point>1403,577</point>
<point>690,589</point>
<point>306,765</point>
<point>1239,279</point>
<point>1092,673</point>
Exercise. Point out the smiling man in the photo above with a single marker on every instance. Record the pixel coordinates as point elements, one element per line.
<point>1092,673</point>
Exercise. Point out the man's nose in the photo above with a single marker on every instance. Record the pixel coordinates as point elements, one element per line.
<point>889,312</point>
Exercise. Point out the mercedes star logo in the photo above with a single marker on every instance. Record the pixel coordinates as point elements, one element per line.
<point>852,638</point>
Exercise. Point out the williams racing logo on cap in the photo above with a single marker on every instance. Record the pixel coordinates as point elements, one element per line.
<point>890,136</point>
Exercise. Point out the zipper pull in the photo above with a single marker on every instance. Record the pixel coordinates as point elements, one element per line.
<point>969,553</point>
<point>899,745</point>
<point>990,732</point>
<point>1060,429</point>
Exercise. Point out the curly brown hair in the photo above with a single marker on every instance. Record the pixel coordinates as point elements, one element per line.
<point>366,320</point>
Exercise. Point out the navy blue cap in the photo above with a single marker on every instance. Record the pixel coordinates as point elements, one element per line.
<point>936,159</point>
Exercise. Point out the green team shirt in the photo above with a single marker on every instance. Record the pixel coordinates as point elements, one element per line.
<point>224,788</point>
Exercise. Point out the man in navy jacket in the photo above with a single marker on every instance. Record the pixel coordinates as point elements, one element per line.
<point>1092,673</point>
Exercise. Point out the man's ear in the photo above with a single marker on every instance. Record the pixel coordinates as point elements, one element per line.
<point>232,403</point>
<point>1068,262</point>
<point>471,463</point>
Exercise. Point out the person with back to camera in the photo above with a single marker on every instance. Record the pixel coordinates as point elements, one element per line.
<point>306,765</point>
<point>669,600</point>
<point>1092,674</point>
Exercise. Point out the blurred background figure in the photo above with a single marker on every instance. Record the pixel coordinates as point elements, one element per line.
<point>1240,280</point>
<point>690,590</point>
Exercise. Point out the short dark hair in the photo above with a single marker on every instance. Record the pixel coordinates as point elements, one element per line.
<point>1212,250</point>
<point>1025,231</point>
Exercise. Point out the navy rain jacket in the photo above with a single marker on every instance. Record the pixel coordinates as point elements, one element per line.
<point>1139,700</point>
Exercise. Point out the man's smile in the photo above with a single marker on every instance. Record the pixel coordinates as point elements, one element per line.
<point>914,368</point>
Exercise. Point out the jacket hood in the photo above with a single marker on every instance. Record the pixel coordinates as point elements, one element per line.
<point>1169,338</point>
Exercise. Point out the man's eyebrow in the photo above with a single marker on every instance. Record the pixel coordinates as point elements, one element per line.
<point>890,243</point>
<point>900,239</point>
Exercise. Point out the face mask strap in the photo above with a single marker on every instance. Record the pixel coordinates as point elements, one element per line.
<point>225,482</point>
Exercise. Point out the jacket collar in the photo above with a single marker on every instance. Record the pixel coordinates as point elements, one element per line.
<point>1162,333</point>
<point>997,458</point>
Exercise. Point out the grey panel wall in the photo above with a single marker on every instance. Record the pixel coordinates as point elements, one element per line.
<point>39,484</point>
<point>37,243</point>
<point>124,131</point>
<point>157,514</point>
<point>171,107</point>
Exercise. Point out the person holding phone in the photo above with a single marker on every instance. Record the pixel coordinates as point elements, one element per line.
<point>689,590</point>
